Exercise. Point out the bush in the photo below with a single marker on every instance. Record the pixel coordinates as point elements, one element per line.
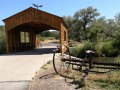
<point>75,51</point>
<point>2,42</point>
<point>99,47</point>
<point>109,49</point>
<point>116,44</point>
<point>80,52</point>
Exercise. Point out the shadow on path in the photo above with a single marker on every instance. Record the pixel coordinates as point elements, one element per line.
<point>38,51</point>
<point>46,48</point>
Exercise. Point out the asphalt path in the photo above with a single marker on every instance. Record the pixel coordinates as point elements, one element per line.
<point>17,69</point>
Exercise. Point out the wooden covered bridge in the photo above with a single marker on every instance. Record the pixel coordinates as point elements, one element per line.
<point>22,28</point>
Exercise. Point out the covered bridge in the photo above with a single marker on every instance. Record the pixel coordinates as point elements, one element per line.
<point>22,28</point>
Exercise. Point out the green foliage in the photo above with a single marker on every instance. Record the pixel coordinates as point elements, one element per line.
<point>116,44</point>
<point>99,47</point>
<point>70,23</point>
<point>1,28</point>
<point>96,29</point>
<point>75,51</point>
<point>80,52</point>
<point>2,40</point>
<point>78,24</point>
<point>107,85</point>
<point>40,38</point>
<point>84,25</point>
<point>103,33</point>
<point>54,34</point>
<point>109,49</point>
<point>85,17</point>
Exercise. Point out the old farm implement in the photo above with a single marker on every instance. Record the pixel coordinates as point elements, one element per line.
<point>65,64</point>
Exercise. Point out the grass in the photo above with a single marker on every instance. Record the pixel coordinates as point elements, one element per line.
<point>75,43</point>
<point>109,81</point>
<point>107,85</point>
<point>48,41</point>
<point>45,66</point>
<point>98,84</point>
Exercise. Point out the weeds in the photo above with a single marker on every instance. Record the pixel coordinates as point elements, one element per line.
<point>45,65</point>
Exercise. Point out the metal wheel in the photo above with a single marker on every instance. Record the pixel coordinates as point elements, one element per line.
<point>61,67</point>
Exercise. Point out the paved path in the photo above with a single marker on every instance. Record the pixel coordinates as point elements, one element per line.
<point>17,69</point>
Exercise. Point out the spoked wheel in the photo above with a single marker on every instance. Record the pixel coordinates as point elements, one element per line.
<point>61,67</point>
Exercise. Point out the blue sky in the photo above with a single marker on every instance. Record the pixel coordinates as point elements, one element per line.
<point>107,8</point>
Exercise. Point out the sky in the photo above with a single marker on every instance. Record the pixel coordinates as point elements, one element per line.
<point>107,8</point>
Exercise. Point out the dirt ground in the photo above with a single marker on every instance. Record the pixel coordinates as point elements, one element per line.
<point>47,79</point>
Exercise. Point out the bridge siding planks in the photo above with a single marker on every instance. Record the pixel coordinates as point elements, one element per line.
<point>32,21</point>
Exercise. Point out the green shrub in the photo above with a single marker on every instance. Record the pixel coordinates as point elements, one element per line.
<point>99,47</point>
<point>116,44</point>
<point>80,51</point>
<point>2,42</point>
<point>75,51</point>
<point>109,50</point>
<point>39,38</point>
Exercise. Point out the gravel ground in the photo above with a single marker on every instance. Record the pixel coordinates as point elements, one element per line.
<point>47,79</point>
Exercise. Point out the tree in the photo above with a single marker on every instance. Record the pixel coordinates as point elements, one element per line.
<point>70,23</point>
<point>117,26</point>
<point>2,27</point>
<point>96,29</point>
<point>49,34</point>
<point>2,40</point>
<point>117,20</point>
<point>85,17</point>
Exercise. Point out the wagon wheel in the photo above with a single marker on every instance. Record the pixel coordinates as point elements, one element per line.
<point>60,66</point>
